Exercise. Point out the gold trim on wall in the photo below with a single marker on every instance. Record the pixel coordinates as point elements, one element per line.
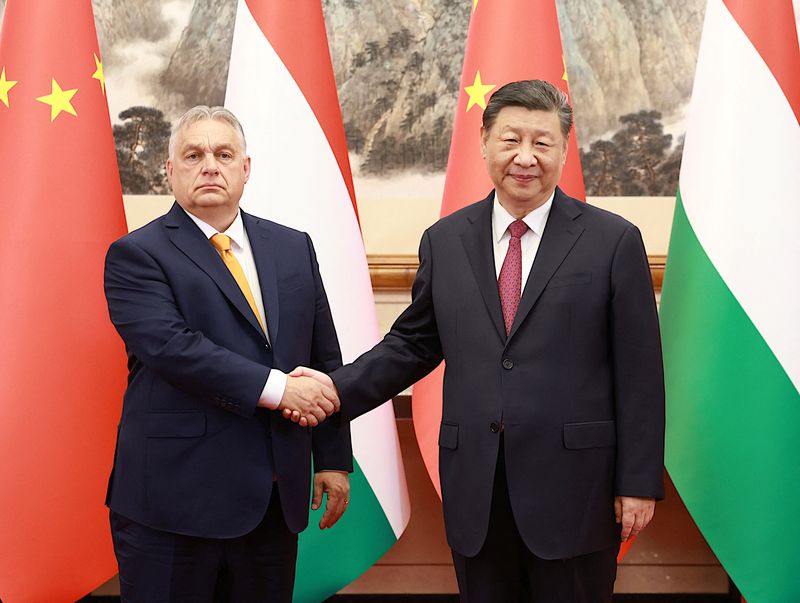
<point>396,272</point>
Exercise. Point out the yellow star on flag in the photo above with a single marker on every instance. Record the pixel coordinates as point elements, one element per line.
<point>474,5</point>
<point>5,86</point>
<point>564,62</point>
<point>98,74</point>
<point>59,100</point>
<point>477,92</point>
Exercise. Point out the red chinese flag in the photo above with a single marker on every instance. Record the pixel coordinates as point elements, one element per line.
<point>63,370</point>
<point>507,41</point>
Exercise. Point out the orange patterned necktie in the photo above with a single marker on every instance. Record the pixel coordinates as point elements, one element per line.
<point>223,244</point>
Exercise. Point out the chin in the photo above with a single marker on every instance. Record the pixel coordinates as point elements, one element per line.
<point>211,202</point>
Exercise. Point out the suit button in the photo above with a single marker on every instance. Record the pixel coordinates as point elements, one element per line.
<point>494,427</point>
<point>508,364</point>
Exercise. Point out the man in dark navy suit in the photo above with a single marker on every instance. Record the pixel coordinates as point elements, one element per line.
<point>553,409</point>
<point>210,485</point>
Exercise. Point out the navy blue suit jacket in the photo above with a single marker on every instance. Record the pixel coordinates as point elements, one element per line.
<point>578,383</point>
<point>194,455</point>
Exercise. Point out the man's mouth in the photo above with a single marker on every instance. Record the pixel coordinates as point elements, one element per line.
<point>523,178</point>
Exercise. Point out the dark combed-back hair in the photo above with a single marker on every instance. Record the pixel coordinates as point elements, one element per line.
<point>536,95</point>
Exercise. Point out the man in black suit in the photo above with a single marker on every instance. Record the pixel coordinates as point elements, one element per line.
<point>210,485</point>
<point>553,410</point>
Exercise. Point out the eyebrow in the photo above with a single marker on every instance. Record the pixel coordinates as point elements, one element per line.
<point>193,146</point>
<point>536,132</point>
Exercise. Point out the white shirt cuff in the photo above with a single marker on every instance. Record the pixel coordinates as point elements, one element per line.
<point>273,389</point>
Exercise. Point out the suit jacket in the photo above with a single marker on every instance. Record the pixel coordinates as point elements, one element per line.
<point>194,455</point>
<point>578,384</point>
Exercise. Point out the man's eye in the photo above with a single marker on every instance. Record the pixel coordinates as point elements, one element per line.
<point>191,156</point>
<point>510,140</point>
<point>225,155</point>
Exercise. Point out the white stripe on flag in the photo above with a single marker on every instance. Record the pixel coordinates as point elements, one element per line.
<point>297,181</point>
<point>740,181</point>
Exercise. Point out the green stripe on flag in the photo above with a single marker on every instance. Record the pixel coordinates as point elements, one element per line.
<point>733,424</point>
<point>328,560</point>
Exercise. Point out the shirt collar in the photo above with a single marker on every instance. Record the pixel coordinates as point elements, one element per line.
<point>235,231</point>
<point>535,220</point>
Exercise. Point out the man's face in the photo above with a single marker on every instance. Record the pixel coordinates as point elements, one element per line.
<point>209,168</point>
<point>525,153</point>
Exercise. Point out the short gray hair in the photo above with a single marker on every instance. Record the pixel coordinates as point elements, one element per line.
<point>536,95</point>
<point>201,113</point>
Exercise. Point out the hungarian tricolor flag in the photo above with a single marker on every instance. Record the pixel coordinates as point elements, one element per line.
<point>729,309</point>
<point>507,41</point>
<point>63,369</point>
<point>281,87</point>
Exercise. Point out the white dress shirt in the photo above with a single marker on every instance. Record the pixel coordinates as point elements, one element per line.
<point>536,221</point>
<point>240,247</point>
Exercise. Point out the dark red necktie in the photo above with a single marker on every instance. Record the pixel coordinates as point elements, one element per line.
<point>510,281</point>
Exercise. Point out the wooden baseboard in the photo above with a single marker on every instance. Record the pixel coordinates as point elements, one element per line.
<point>396,272</point>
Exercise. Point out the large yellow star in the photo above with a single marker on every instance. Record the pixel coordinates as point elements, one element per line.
<point>5,86</point>
<point>474,5</point>
<point>59,100</point>
<point>477,92</point>
<point>98,74</point>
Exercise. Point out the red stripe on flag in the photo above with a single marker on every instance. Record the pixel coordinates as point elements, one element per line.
<point>296,31</point>
<point>771,28</point>
<point>62,374</point>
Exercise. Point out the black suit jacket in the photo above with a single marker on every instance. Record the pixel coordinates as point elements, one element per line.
<point>194,455</point>
<point>578,383</point>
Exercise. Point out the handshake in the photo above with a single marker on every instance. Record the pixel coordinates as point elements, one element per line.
<point>309,398</point>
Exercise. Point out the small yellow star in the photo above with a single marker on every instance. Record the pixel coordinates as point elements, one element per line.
<point>564,77</point>
<point>477,92</point>
<point>474,5</point>
<point>98,74</point>
<point>5,86</point>
<point>59,100</point>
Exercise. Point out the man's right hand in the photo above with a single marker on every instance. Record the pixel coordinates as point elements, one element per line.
<point>324,380</point>
<point>307,401</point>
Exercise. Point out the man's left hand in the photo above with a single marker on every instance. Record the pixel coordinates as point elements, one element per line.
<point>634,513</point>
<point>337,486</point>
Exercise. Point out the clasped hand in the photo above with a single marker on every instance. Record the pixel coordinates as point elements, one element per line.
<point>309,398</point>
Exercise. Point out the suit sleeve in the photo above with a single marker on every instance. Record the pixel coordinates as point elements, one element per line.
<point>330,441</point>
<point>638,372</point>
<point>143,309</point>
<point>409,351</point>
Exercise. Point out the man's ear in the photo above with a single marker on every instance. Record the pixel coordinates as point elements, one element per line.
<point>484,140</point>
<point>247,168</point>
<point>169,167</point>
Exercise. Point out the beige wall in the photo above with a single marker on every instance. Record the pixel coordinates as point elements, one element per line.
<point>394,226</point>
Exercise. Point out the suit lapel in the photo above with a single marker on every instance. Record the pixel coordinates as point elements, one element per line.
<point>187,237</point>
<point>560,234</point>
<point>264,254</point>
<point>477,242</point>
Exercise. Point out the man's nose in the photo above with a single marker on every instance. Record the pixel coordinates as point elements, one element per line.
<point>525,156</point>
<point>210,165</point>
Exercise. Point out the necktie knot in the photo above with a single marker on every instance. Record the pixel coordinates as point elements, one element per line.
<point>221,242</point>
<point>517,228</point>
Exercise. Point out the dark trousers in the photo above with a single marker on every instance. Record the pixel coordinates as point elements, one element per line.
<point>505,571</point>
<point>162,567</point>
